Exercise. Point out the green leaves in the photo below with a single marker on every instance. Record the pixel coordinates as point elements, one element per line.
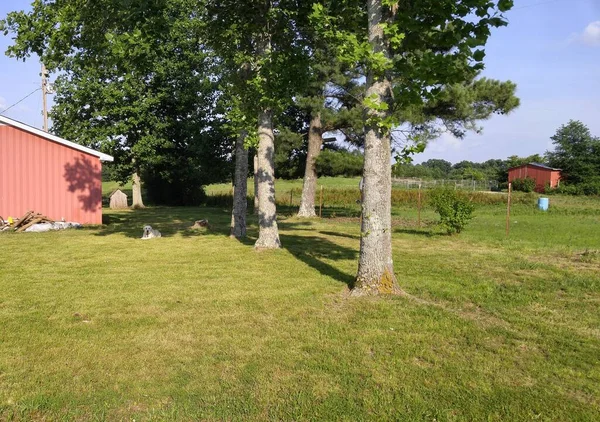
<point>577,153</point>
<point>478,55</point>
<point>404,156</point>
<point>374,103</point>
<point>454,209</point>
<point>505,5</point>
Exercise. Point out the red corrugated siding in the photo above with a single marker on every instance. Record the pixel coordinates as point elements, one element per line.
<point>47,177</point>
<point>541,176</point>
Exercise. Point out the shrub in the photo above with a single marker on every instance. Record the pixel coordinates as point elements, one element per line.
<point>588,188</point>
<point>455,210</point>
<point>524,185</point>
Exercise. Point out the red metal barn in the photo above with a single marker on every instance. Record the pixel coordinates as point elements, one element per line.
<point>543,175</point>
<point>49,175</point>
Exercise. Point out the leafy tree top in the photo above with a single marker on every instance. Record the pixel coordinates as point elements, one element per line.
<point>576,152</point>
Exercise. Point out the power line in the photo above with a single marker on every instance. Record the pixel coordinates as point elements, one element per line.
<point>21,100</point>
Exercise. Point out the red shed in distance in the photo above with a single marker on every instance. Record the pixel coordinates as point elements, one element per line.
<point>47,174</point>
<point>543,175</point>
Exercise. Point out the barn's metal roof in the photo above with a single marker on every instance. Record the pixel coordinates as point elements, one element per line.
<point>10,122</point>
<point>543,166</point>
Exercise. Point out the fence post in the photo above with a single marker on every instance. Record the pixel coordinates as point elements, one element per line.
<point>508,209</point>
<point>419,206</point>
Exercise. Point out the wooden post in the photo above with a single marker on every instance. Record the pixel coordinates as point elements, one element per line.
<point>419,206</point>
<point>321,204</point>
<point>44,102</point>
<point>508,209</point>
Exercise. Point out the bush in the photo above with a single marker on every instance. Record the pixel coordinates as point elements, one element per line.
<point>590,188</point>
<point>587,188</point>
<point>454,209</point>
<point>524,185</point>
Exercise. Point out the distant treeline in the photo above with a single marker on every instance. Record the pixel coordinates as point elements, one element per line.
<point>494,169</point>
<point>341,162</point>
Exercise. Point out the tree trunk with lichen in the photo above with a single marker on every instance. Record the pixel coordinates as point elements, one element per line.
<point>375,266</point>
<point>240,203</point>
<point>309,186</point>
<point>268,233</point>
<point>136,191</point>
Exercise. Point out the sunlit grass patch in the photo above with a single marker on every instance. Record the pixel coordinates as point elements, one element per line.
<point>99,325</point>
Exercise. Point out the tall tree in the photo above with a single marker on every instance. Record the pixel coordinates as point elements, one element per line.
<point>332,109</point>
<point>331,94</point>
<point>412,50</point>
<point>576,152</point>
<point>262,39</point>
<point>240,186</point>
<point>457,109</point>
<point>133,80</point>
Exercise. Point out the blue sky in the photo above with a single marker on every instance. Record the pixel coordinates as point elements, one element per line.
<point>551,49</point>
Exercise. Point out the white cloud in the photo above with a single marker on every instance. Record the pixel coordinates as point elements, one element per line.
<point>590,35</point>
<point>444,143</point>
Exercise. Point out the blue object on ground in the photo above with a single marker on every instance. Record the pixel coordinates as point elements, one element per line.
<point>543,204</point>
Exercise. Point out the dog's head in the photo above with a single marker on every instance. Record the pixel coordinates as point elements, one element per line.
<point>147,230</point>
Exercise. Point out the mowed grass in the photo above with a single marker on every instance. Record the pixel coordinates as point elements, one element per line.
<point>99,325</point>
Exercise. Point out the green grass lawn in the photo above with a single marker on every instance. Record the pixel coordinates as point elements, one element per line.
<point>99,325</point>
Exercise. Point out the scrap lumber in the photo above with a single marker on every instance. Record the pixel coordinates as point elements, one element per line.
<point>23,219</point>
<point>31,223</point>
<point>29,219</point>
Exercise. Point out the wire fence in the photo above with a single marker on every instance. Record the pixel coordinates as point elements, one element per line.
<point>463,184</point>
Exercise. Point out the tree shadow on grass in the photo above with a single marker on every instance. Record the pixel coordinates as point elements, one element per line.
<point>339,234</point>
<point>312,250</point>
<point>170,221</point>
<point>420,232</point>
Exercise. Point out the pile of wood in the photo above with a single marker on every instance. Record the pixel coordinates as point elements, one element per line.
<point>29,219</point>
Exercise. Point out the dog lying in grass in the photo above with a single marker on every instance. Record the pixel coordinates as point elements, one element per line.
<point>150,233</point>
<point>201,224</point>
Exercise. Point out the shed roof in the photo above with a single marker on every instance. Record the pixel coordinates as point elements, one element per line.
<point>117,191</point>
<point>543,166</point>
<point>54,138</point>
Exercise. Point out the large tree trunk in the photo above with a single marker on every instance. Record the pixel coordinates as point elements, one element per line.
<point>375,266</point>
<point>309,187</point>
<point>240,203</point>
<point>136,189</point>
<point>256,183</point>
<point>268,234</point>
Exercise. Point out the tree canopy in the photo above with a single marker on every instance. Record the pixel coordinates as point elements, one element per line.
<point>167,85</point>
<point>576,152</point>
<point>135,82</point>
